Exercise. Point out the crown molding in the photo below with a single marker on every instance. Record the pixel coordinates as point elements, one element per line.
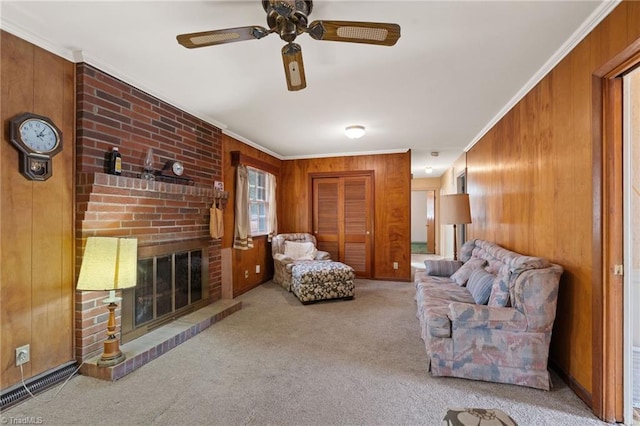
<point>252,144</point>
<point>20,32</point>
<point>78,56</point>
<point>347,154</point>
<point>587,26</point>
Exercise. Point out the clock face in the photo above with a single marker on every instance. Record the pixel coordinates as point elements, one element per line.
<point>177,168</point>
<point>38,135</point>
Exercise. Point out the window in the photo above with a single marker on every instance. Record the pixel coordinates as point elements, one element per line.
<point>258,201</point>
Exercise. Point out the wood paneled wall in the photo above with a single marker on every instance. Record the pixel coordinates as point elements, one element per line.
<point>36,218</point>
<point>392,209</point>
<point>392,201</point>
<point>244,260</point>
<point>531,183</point>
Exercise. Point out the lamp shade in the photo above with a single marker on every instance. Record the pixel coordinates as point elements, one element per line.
<point>108,264</point>
<point>454,209</point>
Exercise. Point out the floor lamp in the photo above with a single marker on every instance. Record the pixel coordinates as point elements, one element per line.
<point>455,210</point>
<point>109,264</point>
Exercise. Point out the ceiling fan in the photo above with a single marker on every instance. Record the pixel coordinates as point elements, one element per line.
<point>289,18</point>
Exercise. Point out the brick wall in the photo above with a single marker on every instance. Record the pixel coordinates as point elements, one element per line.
<point>112,113</point>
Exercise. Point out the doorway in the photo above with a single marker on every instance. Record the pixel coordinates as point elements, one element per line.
<point>423,229</point>
<point>631,238</point>
<point>612,327</point>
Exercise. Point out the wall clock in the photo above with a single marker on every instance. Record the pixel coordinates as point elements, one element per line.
<point>38,140</point>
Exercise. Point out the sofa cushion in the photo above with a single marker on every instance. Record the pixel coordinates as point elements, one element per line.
<point>499,293</point>
<point>441,268</point>
<point>461,276</point>
<point>464,315</point>
<point>479,285</point>
<point>445,291</point>
<point>300,250</point>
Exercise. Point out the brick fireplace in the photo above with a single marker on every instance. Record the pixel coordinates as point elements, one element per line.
<point>111,113</point>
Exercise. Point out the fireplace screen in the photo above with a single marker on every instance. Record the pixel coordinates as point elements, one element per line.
<point>169,285</point>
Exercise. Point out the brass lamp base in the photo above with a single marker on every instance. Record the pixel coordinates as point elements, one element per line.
<point>112,354</point>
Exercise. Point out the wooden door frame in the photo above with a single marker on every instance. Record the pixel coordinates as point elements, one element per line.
<point>434,221</point>
<point>349,173</point>
<point>608,299</point>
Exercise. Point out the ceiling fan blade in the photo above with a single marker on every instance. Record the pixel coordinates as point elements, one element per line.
<point>355,32</point>
<point>293,67</point>
<point>229,35</point>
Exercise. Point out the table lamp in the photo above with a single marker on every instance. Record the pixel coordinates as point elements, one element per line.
<point>109,264</point>
<point>454,210</point>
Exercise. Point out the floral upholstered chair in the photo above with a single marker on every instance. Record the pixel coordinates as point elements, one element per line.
<point>289,250</point>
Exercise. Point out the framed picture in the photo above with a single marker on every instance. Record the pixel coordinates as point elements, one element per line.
<point>218,185</point>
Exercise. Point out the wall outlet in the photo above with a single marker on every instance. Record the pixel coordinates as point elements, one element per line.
<point>395,265</point>
<point>246,274</point>
<point>23,355</point>
<point>257,269</point>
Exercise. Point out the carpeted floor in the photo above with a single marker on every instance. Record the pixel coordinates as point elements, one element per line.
<point>278,362</point>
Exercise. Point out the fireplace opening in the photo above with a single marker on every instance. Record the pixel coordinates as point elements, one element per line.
<point>172,281</point>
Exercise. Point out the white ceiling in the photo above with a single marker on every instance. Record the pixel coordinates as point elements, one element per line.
<point>456,69</point>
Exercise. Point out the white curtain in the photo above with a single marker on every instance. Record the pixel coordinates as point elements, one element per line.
<point>242,239</point>
<point>272,220</point>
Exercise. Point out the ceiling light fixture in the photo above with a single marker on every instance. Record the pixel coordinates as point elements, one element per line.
<point>428,170</point>
<point>354,132</point>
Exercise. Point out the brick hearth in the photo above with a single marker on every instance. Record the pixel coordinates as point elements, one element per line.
<point>150,346</point>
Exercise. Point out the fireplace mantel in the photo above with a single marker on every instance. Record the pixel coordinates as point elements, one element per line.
<point>127,182</point>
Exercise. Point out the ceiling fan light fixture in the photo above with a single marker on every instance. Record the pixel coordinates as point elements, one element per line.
<point>354,132</point>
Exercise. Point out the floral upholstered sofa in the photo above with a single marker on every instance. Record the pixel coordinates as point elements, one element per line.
<point>489,316</point>
<point>286,256</point>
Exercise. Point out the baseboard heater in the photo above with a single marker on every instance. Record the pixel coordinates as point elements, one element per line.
<point>17,393</point>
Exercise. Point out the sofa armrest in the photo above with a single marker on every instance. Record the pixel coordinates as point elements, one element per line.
<point>441,268</point>
<point>284,261</point>
<point>323,255</point>
<point>466,315</point>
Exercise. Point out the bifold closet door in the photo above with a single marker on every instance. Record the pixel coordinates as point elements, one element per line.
<point>326,215</point>
<point>343,220</point>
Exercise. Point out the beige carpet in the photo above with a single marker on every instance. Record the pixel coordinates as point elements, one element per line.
<point>277,362</point>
